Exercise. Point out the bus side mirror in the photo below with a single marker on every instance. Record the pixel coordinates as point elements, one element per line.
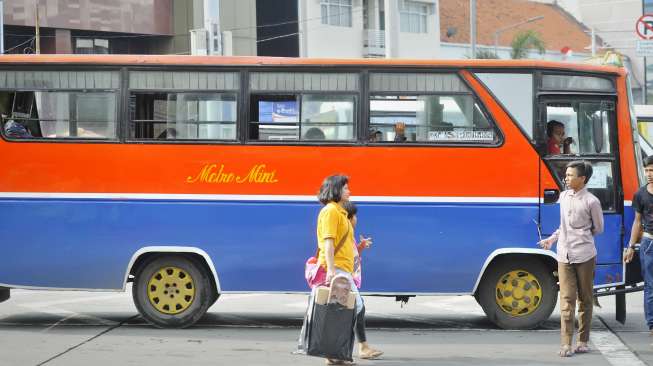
<point>551,196</point>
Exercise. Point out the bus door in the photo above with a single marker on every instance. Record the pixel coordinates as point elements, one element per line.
<point>590,121</point>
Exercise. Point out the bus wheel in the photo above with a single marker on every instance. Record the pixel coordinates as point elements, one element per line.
<point>518,293</point>
<point>172,291</point>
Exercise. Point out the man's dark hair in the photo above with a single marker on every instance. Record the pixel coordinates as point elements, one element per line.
<point>583,169</point>
<point>351,208</point>
<point>551,125</point>
<point>331,189</point>
<point>648,161</point>
<point>314,133</point>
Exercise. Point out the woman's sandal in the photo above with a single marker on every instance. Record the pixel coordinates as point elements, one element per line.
<point>370,354</point>
<point>565,351</point>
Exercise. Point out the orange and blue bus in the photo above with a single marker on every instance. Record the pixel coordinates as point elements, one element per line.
<point>194,176</point>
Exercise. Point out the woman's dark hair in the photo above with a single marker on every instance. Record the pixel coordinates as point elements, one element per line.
<point>351,208</point>
<point>648,161</point>
<point>331,189</point>
<point>583,169</point>
<point>551,125</point>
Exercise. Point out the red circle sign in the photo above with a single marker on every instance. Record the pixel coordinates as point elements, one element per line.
<point>644,26</point>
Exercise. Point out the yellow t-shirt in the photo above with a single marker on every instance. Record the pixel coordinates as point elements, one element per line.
<point>332,223</point>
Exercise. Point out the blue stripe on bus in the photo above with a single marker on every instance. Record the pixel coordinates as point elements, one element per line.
<point>255,246</point>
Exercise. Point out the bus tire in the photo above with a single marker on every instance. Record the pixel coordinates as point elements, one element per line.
<point>172,291</point>
<point>518,293</point>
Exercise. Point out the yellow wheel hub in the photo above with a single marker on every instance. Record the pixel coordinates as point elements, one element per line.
<point>518,293</point>
<point>171,290</point>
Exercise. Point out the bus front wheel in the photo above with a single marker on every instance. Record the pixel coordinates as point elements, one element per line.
<point>518,293</point>
<point>172,291</point>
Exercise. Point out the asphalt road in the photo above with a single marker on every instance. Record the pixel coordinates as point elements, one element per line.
<point>94,328</point>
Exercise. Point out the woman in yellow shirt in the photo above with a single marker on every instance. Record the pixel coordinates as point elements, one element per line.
<point>333,225</point>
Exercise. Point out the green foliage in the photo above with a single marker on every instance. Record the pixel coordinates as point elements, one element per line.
<point>486,54</point>
<point>524,41</point>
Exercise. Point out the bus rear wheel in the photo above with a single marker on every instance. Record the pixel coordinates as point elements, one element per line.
<point>172,291</point>
<point>518,293</point>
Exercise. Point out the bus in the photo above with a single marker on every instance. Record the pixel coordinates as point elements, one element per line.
<point>195,176</point>
<point>644,115</point>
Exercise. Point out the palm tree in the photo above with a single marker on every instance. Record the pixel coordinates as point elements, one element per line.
<point>524,41</point>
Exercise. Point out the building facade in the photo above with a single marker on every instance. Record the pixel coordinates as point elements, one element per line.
<point>369,28</point>
<point>73,26</point>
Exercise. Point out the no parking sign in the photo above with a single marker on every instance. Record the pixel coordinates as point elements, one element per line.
<point>644,26</point>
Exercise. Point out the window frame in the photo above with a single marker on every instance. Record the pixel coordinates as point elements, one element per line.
<point>242,72</point>
<point>407,8</point>
<point>68,68</point>
<point>328,16</point>
<point>299,94</point>
<point>613,157</point>
<point>129,121</point>
<point>454,71</point>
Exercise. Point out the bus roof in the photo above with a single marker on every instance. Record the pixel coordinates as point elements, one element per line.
<point>281,61</point>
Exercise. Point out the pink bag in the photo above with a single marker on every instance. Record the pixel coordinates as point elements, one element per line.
<point>314,273</point>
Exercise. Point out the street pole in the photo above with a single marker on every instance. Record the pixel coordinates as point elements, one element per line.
<point>38,38</point>
<point>593,42</point>
<point>472,26</point>
<point>2,28</point>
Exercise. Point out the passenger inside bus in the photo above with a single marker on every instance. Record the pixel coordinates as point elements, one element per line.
<point>555,132</point>
<point>400,132</point>
<point>376,136</point>
<point>314,133</point>
<point>168,133</point>
<point>15,129</point>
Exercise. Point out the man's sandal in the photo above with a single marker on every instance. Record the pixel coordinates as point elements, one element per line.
<point>581,349</point>
<point>565,351</point>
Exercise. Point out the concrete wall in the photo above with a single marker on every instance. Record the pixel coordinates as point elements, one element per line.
<point>417,45</point>
<point>458,51</point>
<point>239,18</point>
<point>125,16</point>
<point>323,40</point>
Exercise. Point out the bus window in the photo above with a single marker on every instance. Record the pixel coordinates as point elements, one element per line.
<point>589,124</point>
<point>332,115</point>
<point>432,108</point>
<point>586,123</point>
<point>302,106</point>
<point>48,114</point>
<point>183,116</point>
<point>184,105</point>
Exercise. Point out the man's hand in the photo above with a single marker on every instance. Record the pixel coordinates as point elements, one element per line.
<point>546,243</point>
<point>629,254</point>
<point>568,141</point>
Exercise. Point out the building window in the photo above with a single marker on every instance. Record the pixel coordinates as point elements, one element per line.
<point>336,12</point>
<point>414,16</point>
<point>90,46</point>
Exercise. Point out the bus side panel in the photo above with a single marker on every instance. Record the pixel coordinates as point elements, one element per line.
<point>256,246</point>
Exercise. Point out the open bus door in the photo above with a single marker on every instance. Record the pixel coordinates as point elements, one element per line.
<point>590,121</point>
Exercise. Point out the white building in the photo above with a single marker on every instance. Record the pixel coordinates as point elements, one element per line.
<point>613,21</point>
<point>369,28</point>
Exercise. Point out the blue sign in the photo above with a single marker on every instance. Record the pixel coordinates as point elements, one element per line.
<point>283,111</point>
